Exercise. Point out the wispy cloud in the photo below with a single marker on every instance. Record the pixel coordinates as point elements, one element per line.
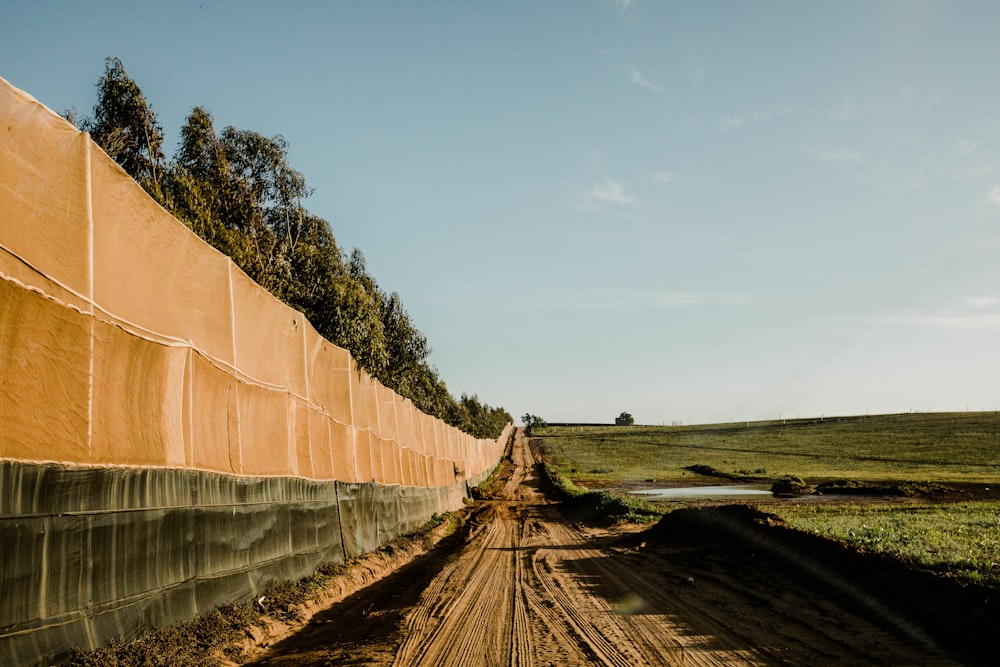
<point>982,302</point>
<point>839,155</point>
<point>736,120</point>
<point>974,322</point>
<point>665,176</point>
<point>893,160</point>
<point>834,154</point>
<point>624,5</point>
<point>647,299</point>
<point>636,77</point>
<point>966,146</point>
<point>972,313</point>
<point>610,191</point>
<point>851,111</point>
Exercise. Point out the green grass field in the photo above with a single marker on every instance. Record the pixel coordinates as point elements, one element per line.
<point>959,538</point>
<point>941,447</point>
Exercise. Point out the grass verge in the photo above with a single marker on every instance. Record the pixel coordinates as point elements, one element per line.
<point>961,540</point>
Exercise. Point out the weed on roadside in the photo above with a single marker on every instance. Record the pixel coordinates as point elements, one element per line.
<point>599,508</point>
<point>202,641</point>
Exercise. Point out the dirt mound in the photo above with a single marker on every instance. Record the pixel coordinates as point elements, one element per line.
<point>959,616</point>
<point>709,471</point>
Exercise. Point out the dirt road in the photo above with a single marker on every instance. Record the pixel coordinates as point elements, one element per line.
<point>522,586</point>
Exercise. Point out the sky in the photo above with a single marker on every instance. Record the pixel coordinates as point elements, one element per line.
<point>692,211</point>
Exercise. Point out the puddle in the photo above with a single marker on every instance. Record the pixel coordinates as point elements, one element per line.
<point>706,492</point>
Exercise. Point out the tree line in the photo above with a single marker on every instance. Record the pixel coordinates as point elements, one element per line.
<point>236,190</point>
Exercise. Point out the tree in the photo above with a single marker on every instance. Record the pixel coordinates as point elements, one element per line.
<point>624,419</point>
<point>482,420</point>
<point>430,394</point>
<point>530,422</point>
<point>71,116</point>
<point>264,202</point>
<point>405,346</point>
<point>236,190</point>
<point>198,185</point>
<point>358,327</point>
<point>317,267</point>
<point>125,126</point>
<point>361,327</point>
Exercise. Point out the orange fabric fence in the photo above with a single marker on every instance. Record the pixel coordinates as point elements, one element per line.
<point>127,340</point>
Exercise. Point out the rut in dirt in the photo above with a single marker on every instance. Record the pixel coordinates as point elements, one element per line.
<point>520,585</point>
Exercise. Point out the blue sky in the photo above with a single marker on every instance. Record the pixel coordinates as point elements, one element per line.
<point>692,211</point>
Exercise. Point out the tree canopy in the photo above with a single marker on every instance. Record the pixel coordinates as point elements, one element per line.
<point>236,190</point>
<point>624,419</point>
<point>531,422</point>
<point>126,127</point>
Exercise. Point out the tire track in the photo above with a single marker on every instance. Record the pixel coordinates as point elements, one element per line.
<point>604,649</point>
<point>634,638</point>
<point>487,623</point>
<point>521,644</point>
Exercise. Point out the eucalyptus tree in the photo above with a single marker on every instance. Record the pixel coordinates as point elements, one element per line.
<point>125,126</point>
<point>238,191</point>
<point>406,347</point>
<point>198,184</point>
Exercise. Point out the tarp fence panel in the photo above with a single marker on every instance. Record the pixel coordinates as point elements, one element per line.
<point>124,285</point>
<point>357,517</point>
<point>172,436</point>
<point>44,194</point>
<point>44,376</point>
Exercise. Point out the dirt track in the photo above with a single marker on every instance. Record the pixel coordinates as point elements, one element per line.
<point>522,586</point>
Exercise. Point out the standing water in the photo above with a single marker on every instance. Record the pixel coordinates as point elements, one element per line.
<point>706,492</point>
